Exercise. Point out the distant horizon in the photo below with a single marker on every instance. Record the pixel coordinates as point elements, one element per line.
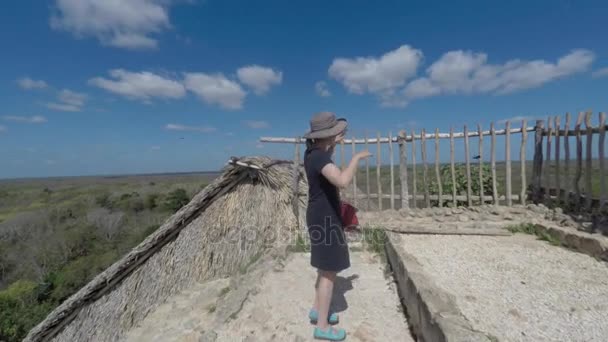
<point>372,167</point>
<point>112,175</point>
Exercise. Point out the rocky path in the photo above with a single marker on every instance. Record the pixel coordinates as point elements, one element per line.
<point>272,305</point>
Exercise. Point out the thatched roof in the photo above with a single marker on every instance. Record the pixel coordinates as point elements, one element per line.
<point>223,227</point>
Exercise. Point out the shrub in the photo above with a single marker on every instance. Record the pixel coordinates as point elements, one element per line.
<point>78,273</point>
<point>128,202</point>
<point>20,310</point>
<point>374,239</point>
<point>461,182</point>
<point>137,205</point>
<point>151,201</point>
<point>103,200</point>
<point>176,199</point>
<point>301,245</point>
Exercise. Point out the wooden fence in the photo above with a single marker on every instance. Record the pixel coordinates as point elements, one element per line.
<point>410,185</point>
<point>554,183</point>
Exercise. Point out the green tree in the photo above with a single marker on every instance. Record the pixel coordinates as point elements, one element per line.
<point>151,201</point>
<point>176,199</point>
<point>20,310</point>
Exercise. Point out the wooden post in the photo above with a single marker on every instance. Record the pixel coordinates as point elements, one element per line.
<point>391,163</point>
<point>367,174</point>
<point>493,164</point>
<point>603,190</point>
<point>567,159</point>
<point>427,199</point>
<point>537,167</point>
<point>295,181</point>
<point>522,161</point>
<point>452,168</point>
<point>354,173</point>
<point>414,185</point>
<point>547,166</point>
<point>468,165</point>
<point>508,162</point>
<point>558,186</point>
<point>481,188</point>
<point>579,159</point>
<point>588,162</point>
<point>437,171</point>
<point>378,162</point>
<point>342,161</point>
<point>405,200</point>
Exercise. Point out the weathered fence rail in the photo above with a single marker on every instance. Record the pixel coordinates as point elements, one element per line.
<point>547,179</point>
<point>574,197</point>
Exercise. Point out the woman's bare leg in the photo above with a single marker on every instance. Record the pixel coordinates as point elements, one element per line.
<point>324,293</point>
<point>315,305</point>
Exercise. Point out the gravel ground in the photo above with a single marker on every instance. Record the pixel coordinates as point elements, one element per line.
<point>277,310</point>
<point>518,288</point>
<point>366,301</point>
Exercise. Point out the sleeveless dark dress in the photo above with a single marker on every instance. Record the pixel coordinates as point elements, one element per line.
<point>329,250</point>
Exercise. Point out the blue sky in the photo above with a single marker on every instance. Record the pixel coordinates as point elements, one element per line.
<point>137,86</point>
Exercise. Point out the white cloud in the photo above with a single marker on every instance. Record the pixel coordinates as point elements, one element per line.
<point>26,119</point>
<point>259,78</point>
<point>216,89</point>
<point>256,124</point>
<point>451,72</point>
<point>456,72</point>
<point>140,85</point>
<point>377,75</point>
<point>73,98</point>
<point>119,23</point>
<point>420,88</point>
<point>391,99</point>
<point>259,145</point>
<point>603,72</point>
<point>28,83</point>
<point>202,129</point>
<point>62,107</point>
<point>155,148</point>
<point>3,129</point>
<point>50,162</point>
<point>69,101</point>
<point>321,89</point>
<point>465,72</point>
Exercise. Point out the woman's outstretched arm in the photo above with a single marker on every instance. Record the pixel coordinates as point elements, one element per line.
<point>340,178</point>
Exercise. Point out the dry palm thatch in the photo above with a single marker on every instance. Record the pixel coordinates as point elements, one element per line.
<point>223,228</point>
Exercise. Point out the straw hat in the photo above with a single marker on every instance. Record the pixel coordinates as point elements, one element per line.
<point>325,125</point>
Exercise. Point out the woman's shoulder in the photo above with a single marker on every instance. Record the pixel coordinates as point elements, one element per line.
<point>317,153</point>
<point>317,158</point>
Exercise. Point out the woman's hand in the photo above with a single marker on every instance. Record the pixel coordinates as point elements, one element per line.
<point>340,178</point>
<point>362,155</point>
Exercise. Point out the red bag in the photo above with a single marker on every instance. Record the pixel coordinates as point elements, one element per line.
<point>349,216</point>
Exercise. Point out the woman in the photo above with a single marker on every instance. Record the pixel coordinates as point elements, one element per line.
<point>329,250</point>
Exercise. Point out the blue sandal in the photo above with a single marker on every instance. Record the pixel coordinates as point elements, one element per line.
<point>331,334</point>
<point>313,315</point>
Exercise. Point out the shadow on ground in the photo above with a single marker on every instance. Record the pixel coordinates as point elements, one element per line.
<point>341,286</point>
